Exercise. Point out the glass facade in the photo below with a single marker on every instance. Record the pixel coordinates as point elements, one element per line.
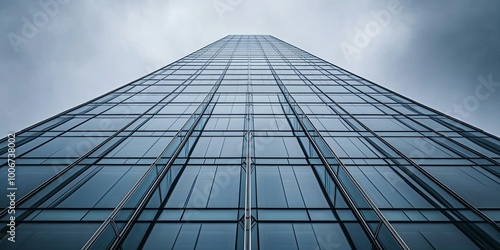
<point>252,143</point>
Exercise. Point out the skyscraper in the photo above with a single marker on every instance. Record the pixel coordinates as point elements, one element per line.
<point>251,143</point>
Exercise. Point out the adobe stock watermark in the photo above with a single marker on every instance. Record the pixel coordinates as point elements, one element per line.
<point>12,188</point>
<point>39,20</point>
<point>363,36</point>
<point>224,6</point>
<point>471,103</point>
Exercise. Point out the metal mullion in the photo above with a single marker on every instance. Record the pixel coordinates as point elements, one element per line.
<point>203,106</point>
<point>37,135</point>
<point>194,125</point>
<point>166,198</point>
<point>247,239</point>
<point>59,174</point>
<point>383,220</point>
<point>337,182</point>
<point>425,173</point>
<point>437,132</point>
<point>418,167</point>
<point>494,161</point>
<point>77,185</point>
<point>408,117</point>
<point>331,201</point>
<point>423,125</point>
<point>469,149</point>
<point>434,180</point>
<point>153,186</point>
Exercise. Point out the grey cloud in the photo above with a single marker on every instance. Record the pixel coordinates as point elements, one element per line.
<point>433,51</point>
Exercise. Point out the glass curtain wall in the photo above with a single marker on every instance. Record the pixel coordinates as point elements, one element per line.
<point>252,143</point>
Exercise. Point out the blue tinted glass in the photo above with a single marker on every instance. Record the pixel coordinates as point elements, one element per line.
<point>350,147</point>
<point>187,236</point>
<point>104,123</point>
<point>417,147</point>
<point>95,188</point>
<point>270,191</point>
<point>270,147</point>
<point>226,187</point>
<point>201,189</point>
<point>50,236</point>
<point>164,123</point>
<point>66,147</point>
<point>217,236</point>
<point>140,146</point>
<point>473,183</point>
<point>388,188</point>
<point>310,188</point>
<point>433,236</point>
<point>276,236</point>
<point>182,189</point>
<point>330,236</point>
<point>121,187</point>
<point>163,236</point>
<point>306,238</point>
<point>32,176</point>
<point>386,124</point>
<point>291,187</point>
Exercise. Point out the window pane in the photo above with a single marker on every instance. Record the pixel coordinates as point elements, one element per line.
<point>162,236</point>
<point>330,236</point>
<point>270,191</point>
<point>276,236</point>
<point>140,147</point>
<point>217,236</point>
<point>187,236</point>
<point>433,236</point>
<point>472,183</point>
<point>226,188</point>
<point>310,189</point>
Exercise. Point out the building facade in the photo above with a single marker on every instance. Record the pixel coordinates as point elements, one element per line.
<point>251,143</point>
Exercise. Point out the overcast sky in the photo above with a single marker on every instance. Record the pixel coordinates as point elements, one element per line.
<point>442,53</point>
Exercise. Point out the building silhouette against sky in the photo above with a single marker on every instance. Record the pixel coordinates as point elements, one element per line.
<point>252,143</point>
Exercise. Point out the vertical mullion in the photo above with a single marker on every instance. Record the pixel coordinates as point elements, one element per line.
<point>476,233</point>
<point>294,108</point>
<point>248,163</point>
<point>183,135</point>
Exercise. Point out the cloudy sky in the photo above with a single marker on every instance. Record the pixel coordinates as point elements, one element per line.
<point>55,54</point>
